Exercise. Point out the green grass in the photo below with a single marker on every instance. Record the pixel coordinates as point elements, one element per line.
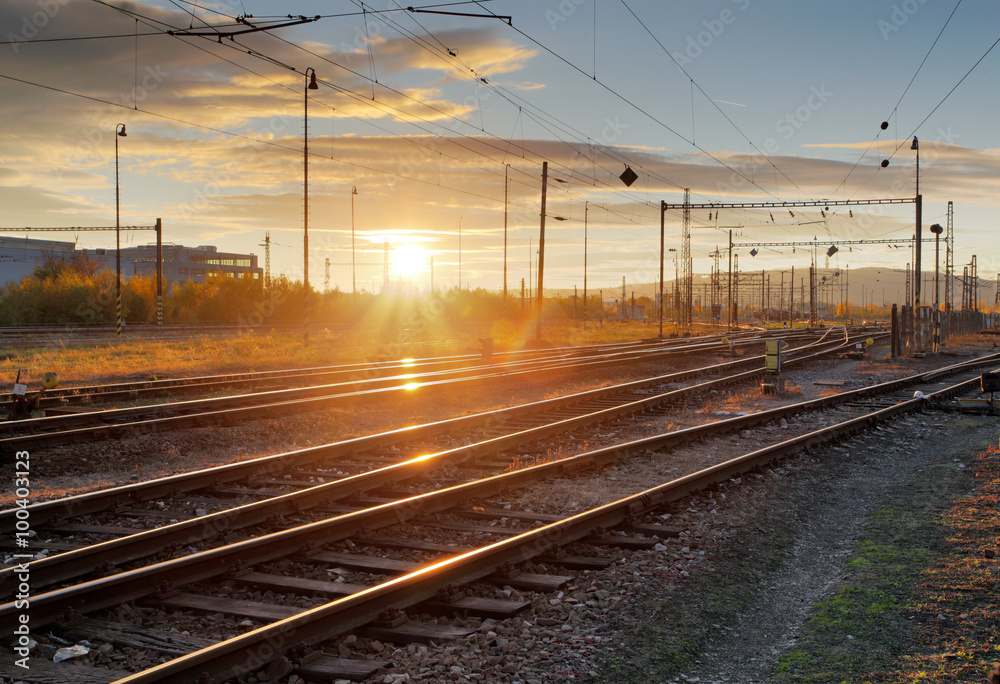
<point>867,624</point>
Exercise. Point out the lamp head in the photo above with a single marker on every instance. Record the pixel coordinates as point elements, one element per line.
<point>914,146</point>
<point>121,131</point>
<point>354,190</point>
<point>312,81</point>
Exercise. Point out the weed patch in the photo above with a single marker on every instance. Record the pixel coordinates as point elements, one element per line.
<point>870,622</point>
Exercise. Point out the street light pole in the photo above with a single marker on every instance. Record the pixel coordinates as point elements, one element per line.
<point>916,259</point>
<point>354,261</point>
<point>663,210</point>
<point>586,209</point>
<point>937,229</point>
<point>310,74</point>
<point>505,187</point>
<point>119,133</point>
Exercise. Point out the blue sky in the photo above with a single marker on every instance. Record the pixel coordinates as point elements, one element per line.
<point>788,96</point>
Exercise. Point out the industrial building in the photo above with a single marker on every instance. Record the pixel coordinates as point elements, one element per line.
<point>19,256</point>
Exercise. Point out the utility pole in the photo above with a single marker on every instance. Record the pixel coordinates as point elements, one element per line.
<point>586,208</point>
<point>385,266</point>
<point>505,187</point>
<point>660,307</point>
<point>354,259</point>
<point>730,279</point>
<point>791,298</point>
<point>541,252</point>
<point>812,295</point>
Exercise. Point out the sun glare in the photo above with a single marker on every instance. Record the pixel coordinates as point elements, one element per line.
<point>409,260</point>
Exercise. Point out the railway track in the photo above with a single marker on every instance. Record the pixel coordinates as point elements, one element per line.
<point>217,562</point>
<point>492,431</point>
<point>100,394</point>
<point>115,423</point>
<point>286,645</point>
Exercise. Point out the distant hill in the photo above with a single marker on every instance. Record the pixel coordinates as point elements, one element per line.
<point>862,285</point>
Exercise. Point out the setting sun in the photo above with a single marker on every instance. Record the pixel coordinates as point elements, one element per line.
<point>409,260</point>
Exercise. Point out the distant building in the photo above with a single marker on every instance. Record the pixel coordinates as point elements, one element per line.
<point>19,256</point>
<point>181,264</point>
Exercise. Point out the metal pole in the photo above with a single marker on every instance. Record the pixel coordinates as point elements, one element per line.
<point>310,85</point>
<point>505,186</point>
<point>937,230</point>
<point>586,209</point>
<point>791,299</point>
<point>354,260</point>
<point>119,133</point>
<point>541,252</point>
<point>660,307</point>
<point>159,274</point>
<point>730,280</point>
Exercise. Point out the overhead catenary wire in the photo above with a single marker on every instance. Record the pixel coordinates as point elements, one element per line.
<point>894,114</point>
<point>256,53</point>
<point>635,106</point>
<point>715,104</point>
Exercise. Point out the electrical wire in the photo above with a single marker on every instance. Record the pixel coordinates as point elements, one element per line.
<point>695,84</point>
<point>635,106</point>
<point>242,136</point>
<point>899,101</point>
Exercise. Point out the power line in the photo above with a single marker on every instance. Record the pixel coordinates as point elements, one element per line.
<point>635,106</point>
<point>905,90</point>
<point>695,84</point>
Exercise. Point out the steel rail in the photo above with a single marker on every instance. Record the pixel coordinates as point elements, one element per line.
<point>405,373</point>
<point>268,647</point>
<point>207,412</point>
<point>72,564</point>
<point>92,502</point>
<point>459,360</point>
<point>134,584</point>
<point>130,389</point>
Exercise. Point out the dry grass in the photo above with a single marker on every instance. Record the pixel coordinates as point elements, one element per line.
<point>958,640</point>
<point>133,358</point>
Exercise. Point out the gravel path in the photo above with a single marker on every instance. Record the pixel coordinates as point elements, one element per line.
<point>827,510</point>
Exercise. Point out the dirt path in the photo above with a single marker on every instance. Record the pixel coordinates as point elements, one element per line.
<point>795,534</point>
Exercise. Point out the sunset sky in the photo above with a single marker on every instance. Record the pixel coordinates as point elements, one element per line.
<point>425,114</point>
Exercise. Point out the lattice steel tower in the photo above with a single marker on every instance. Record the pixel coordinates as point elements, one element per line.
<point>266,244</point>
